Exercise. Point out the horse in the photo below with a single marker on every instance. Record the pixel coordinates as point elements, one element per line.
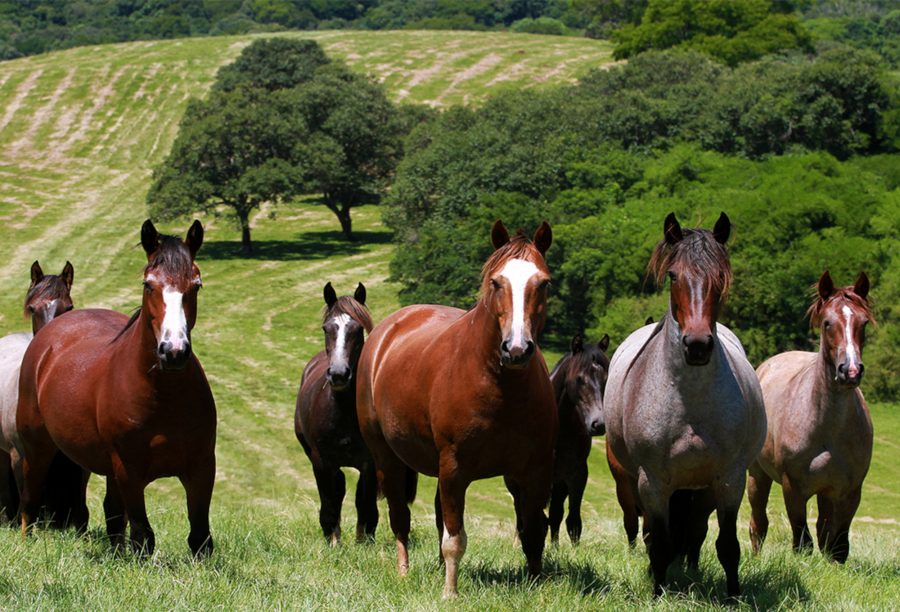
<point>684,410</point>
<point>578,379</point>
<point>465,395</point>
<point>819,440</point>
<point>48,296</point>
<point>126,398</point>
<point>325,420</point>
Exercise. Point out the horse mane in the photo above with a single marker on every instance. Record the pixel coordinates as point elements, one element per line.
<point>518,247</point>
<point>699,252</point>
<point>173,256</point>
<point>817,308</point>
<point>51,287</point>
<point>350,307</point>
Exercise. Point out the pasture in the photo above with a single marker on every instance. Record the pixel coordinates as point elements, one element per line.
<point>80,131</point>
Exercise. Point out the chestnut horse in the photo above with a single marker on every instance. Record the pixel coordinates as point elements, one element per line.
<point>325,418</point>
<point>126,398</point>
<point>820,432</point>
<point>47,297</point>
<point>684,411</point>
<point>579,380</point>
<point>464,396</point>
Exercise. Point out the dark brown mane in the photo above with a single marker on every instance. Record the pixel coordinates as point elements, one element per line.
<point>818,306</point>
<point>350,307</point>
<point>698,252</point>
<point>518,247</point>
<point>51,287</point>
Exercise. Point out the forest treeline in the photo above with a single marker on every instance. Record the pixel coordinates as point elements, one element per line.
<point>734,31</point>
<point>799,150</point>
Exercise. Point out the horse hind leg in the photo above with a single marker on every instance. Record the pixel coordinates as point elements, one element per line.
<point>703,502</point>
<point>626,494</point>
<point>758,487</point>
<point>366,504</point>
<point>9,492</point>
<point>34,466</point>
<point>66,494</point>
<point>131,493</point>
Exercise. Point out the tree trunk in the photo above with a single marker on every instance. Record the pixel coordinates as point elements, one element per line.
<point>246,245</point>
<point>343,216</point>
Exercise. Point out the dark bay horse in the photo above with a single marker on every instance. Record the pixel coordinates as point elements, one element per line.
<point>684,410</point>
<point>579,380</point>
<point>126,399</point>
<point>325,417</point>
<point>464,396</point>
<point>819,440</point>
<point>49,296</point>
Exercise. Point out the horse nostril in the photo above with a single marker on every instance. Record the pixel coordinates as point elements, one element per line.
<point>842,369</point>
<point>862,369</point>
<point>529,348</point>
<point>504,347</point>
<point>598,428</point>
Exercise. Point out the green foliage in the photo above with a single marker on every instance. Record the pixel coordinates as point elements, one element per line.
<point>273,63</point>
<point>734,32</point>
<point>540,25</point>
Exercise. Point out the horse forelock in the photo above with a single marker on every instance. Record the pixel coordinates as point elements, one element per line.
<point>698,253</point>
<point>349,306</point>
<point>172,258</point>
<point>816,310</point>
<point>519,247</point>
<point>51,287</point>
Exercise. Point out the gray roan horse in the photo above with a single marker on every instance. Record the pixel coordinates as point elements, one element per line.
<point>684,411</point>
<point>47,297</point>
<point>820,433</point>
<point>579,380</point>
<point>325,417</point>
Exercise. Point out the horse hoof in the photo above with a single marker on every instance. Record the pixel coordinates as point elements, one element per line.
<point>402,569</point>
<point>450,593</point>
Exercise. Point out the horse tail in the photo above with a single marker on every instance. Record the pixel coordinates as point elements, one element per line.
<point>412,482</point>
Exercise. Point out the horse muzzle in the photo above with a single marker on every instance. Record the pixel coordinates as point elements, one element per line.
<point>849,375</point>
<point>697,349</point>
<point>172,358</point>
<point>338,378</point>
<point>516,356</point>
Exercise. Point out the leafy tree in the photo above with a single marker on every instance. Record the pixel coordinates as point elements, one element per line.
<point>271,64</point>
<point>236,149</point>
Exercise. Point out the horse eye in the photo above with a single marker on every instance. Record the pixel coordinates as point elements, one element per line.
<point>69,308</point>
<point>495,284</point>
<point>827,324</point>
<point>147,286</point>
<point>672,276</point>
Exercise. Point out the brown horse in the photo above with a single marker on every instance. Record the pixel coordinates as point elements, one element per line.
<point>684,411</point>
<point>126,398</point>
<point>578,379</point>
<point>464,396</point>
<point>325,418</point>
<point>48,297</point>
<point>820,432</point>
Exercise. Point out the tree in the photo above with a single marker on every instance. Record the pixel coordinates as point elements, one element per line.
<point>236,149</point>
<point>272,64</point>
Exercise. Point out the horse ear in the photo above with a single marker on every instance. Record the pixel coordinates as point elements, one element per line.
<point>330,295</point>
<point>499,235</point>
<point>360,294</point>
<point>826,286</point>
<point>36,273</point>
<point>722,229</point>
<point>577,344</point>
<point>68,275</point>
<point>149,237</point>
<point>861,286</point>
<point>543,236</point>
<point>604,343</point>
<point>194,237</point>
<point>672,229</point>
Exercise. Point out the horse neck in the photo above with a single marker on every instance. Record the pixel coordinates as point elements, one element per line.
<point>136,348</point>
<point>480,323</point>
<point>558,380</point>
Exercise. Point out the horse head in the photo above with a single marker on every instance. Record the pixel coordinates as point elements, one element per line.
<point>171,283</point>
<point>514,287</point>
<point>345,322</point>
<point>842,313</point>
<point>585,382</point>
<point>48,296</point>
<point>697,265</point>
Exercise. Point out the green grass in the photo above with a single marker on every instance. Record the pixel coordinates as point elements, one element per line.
<point>81,130</point>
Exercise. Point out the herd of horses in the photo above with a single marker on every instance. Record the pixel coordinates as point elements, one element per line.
<point>458,395</point>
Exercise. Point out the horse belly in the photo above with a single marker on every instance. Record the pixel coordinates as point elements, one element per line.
<point>12,349</point>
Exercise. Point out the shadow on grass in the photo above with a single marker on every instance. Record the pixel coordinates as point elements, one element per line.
<point>582,576</point>
<point>306,246</point>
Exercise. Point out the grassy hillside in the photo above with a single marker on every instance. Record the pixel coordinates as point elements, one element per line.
<point>79,133</point>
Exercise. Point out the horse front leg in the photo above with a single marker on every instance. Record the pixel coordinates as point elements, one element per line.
<point>366,503</point>
<point>795,504</point>
<point>655,502</point>
<point>728,494</point>
<point>131,492</point>
<point>577,483</point>
<point>114,514</point>
<point>558,495</point>
<point>452,488</point>
<point>198,488</point>
<point>331,484</point>
<point>758,487</point>
<point>834,533</point>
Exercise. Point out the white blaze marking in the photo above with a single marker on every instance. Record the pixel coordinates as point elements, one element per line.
<point>342,321</point>
<point>518,272</point>
<point>848,336</point>
<point>174,325</point>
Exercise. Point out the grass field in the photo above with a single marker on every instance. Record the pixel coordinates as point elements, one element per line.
<point>79,133</point>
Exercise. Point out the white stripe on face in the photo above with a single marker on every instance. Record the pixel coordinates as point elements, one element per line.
<point>342,321</point>
<point>174,325</point>
<point>852,358</point>
<point>518,272</point>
